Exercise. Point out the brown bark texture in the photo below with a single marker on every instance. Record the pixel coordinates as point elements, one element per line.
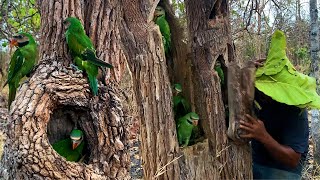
<point>240,97</point>
<point>124,34</point>
<point>210,38</point>
<point>56,98</point>
<point>28,153</point>
<point>143,43</point>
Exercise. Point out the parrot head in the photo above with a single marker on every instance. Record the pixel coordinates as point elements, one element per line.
<point>76,137</point>
<point>194,118</point>
<point>72,21</point>
<point>177,88</point>
<point>159,11</point>
<point>217,64</point>
<point>21,39</point>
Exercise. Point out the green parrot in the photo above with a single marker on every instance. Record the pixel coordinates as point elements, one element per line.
<point>218,69</point>
<point>22,62</point>
<point>180,105</point>
<point>71,148</point>
<point>160,20</point>
<point>185,126</point>
<point>83,52</point>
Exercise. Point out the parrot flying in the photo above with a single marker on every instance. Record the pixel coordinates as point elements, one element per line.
<point>180,105</point>
<point>72,147</point>
<point>185,126</point>
<point>160,20</point>
<point>22,61</point>
<point>83,52</point>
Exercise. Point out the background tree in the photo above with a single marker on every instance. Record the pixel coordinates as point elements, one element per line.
<point>314,54</point>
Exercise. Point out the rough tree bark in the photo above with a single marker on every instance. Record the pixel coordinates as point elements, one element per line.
<point>315,72</point>
<point>56,98</point>
<point>56,93</point>
<point>210,36</point>
<point>216,157</point>
<point>146,60</point>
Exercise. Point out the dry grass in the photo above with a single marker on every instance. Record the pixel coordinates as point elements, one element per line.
<point>162,170</point>
<point>1,143</point>
<point>311,172</point>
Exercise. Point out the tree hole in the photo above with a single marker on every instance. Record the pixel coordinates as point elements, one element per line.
<point>221,69</point>
<point>63,120</point>
<point>218,14</point>
<point>219,9</point>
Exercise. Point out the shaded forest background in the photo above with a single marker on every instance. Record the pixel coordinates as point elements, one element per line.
<point>252,21</point>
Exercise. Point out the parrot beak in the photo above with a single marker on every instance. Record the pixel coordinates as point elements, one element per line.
<point>195,122</point>
<point>66,24</point>
<point>156,14</point>
<point>13,42</point>
<point>74,145</point>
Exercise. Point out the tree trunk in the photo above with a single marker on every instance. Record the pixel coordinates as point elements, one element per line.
<point>123,32</point>
<point>314,54</point>
<point>210,35</point>
<point>146,60</point>
<point>56,98</point>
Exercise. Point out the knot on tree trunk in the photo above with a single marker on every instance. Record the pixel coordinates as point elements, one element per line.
<point>45,109</point>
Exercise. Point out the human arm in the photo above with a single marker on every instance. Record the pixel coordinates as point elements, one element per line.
<point>257,131</point>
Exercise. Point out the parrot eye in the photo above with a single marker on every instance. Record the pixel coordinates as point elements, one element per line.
<point>18,36</point>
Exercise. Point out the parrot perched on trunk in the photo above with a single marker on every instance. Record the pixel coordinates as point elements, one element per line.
<point>185,125</point>
<point>218,69</point>
<point>160,20</point>
<point>22,61</point>
<point>83,52</point>
<point>72,147</point>
<point>180,105</point>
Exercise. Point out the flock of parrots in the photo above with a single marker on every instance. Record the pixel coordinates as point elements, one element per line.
<point>84,56</point>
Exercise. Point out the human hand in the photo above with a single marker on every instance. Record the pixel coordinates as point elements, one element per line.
<point>259,62</point>
<point>255,129</point>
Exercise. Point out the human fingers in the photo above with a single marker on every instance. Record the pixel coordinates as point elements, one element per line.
<point>245,123</point>
<point>260,60</point>
<point>257,64</point>
<point>249,129</point>
<point>250,118</point>
<point>246,135</point>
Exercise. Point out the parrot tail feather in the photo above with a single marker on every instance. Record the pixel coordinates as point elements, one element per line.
<point>12,94</point>
<point>90,56</point>
<point>5,84</point>
<point>93,82</point>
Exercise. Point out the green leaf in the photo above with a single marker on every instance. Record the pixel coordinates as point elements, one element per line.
<point>279,80</point>
<point>4,44</point>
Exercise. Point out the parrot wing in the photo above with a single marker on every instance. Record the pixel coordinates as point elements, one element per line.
<point>63,147</point>
<point>15,65</point>
<point>81,45</point>
<point>165,31</point>
<point>90,55</point>
<point>78,42</point>
<point>185,104</point>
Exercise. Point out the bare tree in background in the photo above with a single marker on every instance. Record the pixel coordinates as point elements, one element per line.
<point>314,54</point>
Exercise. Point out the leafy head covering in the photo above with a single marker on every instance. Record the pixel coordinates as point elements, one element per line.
<point>281,81</point>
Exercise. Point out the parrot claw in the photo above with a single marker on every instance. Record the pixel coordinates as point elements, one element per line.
<point>75,68</point>
<point>24,82</point>
<point>82,158</point>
